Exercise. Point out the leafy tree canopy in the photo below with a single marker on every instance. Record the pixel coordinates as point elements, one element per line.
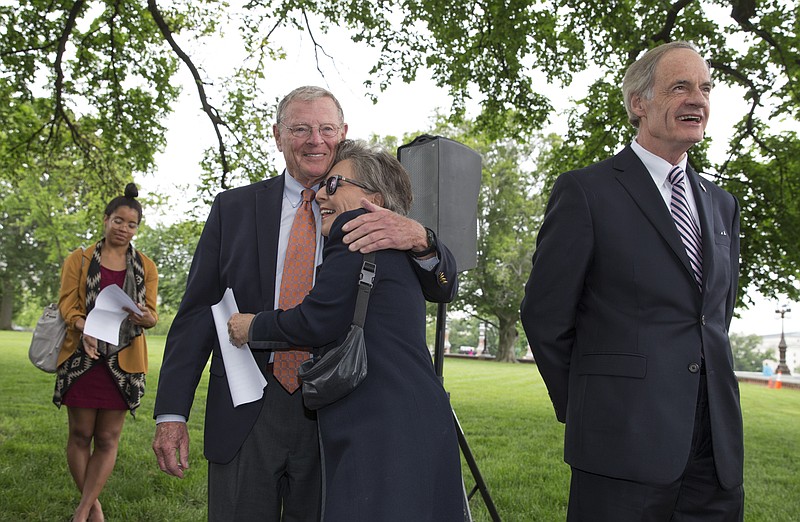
<point>171,248</point>
<point>104,71</point>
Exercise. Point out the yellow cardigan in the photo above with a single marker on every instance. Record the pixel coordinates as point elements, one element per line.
<point>72,303</point>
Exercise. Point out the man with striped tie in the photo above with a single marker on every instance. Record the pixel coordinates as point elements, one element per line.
<point>627,311</point>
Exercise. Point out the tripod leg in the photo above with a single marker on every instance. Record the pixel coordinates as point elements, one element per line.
<point>476,473</point>
<point>467,512</point>
<point>438,365</point>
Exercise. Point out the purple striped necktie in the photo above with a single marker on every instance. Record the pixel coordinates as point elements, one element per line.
<point>687,226</point>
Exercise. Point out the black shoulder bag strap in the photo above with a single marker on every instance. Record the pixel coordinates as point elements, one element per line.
<point>365,282</point>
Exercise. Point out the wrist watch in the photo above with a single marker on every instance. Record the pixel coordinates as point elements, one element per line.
<point>431,237</point>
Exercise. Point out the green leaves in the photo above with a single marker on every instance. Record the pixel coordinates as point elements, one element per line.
<point>86,87</point>
<point>510,208</point>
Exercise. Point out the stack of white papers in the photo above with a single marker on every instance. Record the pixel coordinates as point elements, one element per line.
<point>245,379</point>
<point>105,319</point>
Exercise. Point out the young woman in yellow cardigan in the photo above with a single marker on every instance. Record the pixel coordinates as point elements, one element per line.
<point>98,382</point>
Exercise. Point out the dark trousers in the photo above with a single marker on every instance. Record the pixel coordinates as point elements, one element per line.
<point>695,497</point>
<point>276,474</point>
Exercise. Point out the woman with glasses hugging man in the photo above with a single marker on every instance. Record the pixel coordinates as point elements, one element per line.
<point>389,448</point>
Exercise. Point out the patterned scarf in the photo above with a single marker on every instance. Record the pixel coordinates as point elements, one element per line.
<point>133,286</point>
<point>131,385</point>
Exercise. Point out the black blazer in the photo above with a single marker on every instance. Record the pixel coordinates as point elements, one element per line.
<point>618,326</point>
<point>238,249</point>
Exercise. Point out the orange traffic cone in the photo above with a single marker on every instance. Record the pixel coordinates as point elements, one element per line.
<point>778,383</point>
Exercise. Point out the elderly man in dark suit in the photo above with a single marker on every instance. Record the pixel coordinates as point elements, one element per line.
<point>263,456</point>
<point>627,311</point>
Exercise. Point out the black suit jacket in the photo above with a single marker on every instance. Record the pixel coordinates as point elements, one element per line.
<point>618,326</point>
<point>238,249</point>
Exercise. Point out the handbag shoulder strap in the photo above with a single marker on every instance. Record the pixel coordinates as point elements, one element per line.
<point>366,279</point>
<point>365,282</point>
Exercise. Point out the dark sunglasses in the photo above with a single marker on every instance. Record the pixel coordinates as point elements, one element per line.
<point>332,183</point>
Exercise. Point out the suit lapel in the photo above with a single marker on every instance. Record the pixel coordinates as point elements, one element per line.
<point>633,175</point>
<point>268,218</point>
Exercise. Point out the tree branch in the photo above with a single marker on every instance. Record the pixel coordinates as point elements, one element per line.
<point>213,115</point>
<point>59,111</point>
<point>113,62</point>
<point>664,35</point>
<point>756,100</point>
<point>742,11</point>
<point>26,50</point>
<point>316,45</point>
<point>669,23</point>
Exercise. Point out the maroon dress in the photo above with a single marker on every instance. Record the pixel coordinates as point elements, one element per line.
<point>97,389</point>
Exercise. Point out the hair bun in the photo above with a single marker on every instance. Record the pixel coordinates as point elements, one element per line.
<point>131,191</point>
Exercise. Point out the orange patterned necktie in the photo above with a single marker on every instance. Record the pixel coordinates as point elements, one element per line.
<point>298,273</point>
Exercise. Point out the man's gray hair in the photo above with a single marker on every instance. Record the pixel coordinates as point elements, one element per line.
<point>308,93</point>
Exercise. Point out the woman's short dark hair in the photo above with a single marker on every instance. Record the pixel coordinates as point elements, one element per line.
<point>128,200</point>
<point>380,172</point>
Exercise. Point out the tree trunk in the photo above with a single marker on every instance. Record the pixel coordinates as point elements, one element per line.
<point>6,304</point>
<point>506,344</point>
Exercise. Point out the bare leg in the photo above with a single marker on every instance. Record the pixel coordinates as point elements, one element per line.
<point>106,430</point>
<point>96,513</point>
<point>79,442</point>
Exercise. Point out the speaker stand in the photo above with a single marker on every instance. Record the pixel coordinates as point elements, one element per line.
<point>438,365</point>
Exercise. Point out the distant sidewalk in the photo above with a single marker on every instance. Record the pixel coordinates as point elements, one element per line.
<point>787,381</point>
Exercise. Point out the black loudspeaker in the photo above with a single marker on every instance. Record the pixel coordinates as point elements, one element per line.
<point>445,178</point>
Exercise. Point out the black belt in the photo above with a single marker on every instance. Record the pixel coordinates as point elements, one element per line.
<point>268,345</point>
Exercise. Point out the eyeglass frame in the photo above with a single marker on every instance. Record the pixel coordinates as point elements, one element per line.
<point>334,180</point>
<point>118,221</point>
<point>297,128</point>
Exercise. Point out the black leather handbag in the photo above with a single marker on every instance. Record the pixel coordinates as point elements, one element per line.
<point>341,369</point>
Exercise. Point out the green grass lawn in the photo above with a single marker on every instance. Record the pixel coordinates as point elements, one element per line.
<point>503,409</point>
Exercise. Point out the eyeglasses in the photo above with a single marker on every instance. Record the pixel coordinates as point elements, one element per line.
<point>326,130</point>
<point>332,183</point>
<point>118,222</point>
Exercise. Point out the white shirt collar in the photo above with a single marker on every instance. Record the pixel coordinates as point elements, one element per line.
<point>658,167</point>
<point>292,190</point>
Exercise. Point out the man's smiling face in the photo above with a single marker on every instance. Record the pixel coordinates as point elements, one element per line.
<point>676,115</point>
<point>308,159</point>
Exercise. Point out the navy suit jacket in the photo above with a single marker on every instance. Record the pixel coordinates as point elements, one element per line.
<point>238,249</point>
<point>619,327</point>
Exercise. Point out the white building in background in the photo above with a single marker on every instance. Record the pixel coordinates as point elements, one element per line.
<point>792,348</point>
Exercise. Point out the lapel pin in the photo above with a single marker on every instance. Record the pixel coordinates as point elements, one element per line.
<point>723,233</point>
<point>703,187</point>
